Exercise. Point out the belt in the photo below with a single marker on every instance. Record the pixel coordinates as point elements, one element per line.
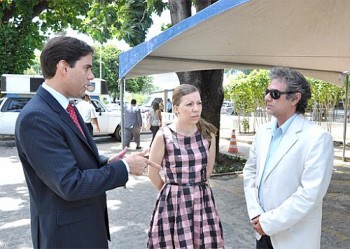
<point>187,184</point>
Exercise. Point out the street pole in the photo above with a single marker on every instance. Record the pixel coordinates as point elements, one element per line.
<point>345,113</point>
<point>100,60</point>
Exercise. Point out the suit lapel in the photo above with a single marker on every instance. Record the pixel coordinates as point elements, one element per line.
<point>64,116</point>
<point>287,142</point>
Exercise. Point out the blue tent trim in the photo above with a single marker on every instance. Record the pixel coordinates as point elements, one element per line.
<point>130,58</point>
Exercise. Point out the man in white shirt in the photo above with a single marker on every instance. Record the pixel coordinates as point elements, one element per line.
<point>87,112</point>
<point>169,106</point>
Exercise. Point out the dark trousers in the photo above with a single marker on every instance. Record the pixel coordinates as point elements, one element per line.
<point>154,130</point>
<point>264,243</point>
<point>91,128</point>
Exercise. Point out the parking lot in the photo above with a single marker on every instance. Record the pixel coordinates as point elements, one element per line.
<point>130,209</point>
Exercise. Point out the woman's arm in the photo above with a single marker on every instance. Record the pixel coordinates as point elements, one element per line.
<point>156,155</point>
<point>211,159</point>
<point>160,118</point>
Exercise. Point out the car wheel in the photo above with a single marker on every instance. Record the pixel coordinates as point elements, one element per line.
<point>117,134</point>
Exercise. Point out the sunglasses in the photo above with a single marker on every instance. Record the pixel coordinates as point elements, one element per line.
<point>275,94</point>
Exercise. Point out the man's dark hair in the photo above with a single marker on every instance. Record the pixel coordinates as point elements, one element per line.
<point>133,101</point>
<point>60,48</point>
<point>85,95</point>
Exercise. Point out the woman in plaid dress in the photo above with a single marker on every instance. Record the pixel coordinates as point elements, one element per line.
<point>185,215</point>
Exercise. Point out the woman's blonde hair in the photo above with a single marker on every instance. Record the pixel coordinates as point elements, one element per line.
<point>204,127</point>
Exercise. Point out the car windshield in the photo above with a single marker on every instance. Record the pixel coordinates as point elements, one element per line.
<point>16,104</point>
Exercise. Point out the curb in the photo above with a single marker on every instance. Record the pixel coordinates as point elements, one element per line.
<point>227,174</point>
<point>7,141</point>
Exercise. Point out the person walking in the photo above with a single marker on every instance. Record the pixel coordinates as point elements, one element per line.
<point>87,112</point>
<point>155,119</point>
<point>289,168</point>
<point>185,215</point>
<point>66,177</point>
<point>161,105</point>
<point>169,106</point>
<point>133,124</point>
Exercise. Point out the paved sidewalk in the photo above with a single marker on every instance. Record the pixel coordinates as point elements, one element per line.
<point>130,209</point>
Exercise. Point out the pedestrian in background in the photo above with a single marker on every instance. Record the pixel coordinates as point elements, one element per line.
<point>66,177</point>
<point>161,105</point>
<point>155,119</point>
<point>87,112</point>
<point>289,168</point>
<point>133,124</point>
<point>185,215</point>
<point>169,106</point>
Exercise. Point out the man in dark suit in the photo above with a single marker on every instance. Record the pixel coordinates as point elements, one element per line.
<point>66,177</point>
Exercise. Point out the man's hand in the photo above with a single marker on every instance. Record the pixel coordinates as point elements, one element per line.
<point>256,225</point>
<point>138,163</point>
<point>118,156</point>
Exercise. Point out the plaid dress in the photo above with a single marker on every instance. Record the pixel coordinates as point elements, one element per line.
<point>185,215</point>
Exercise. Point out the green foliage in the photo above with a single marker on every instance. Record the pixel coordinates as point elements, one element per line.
<point>140,84</point>
<point>25,24</point>
<point>245,124</point>
<point>110,65</point>
<point>324,94</point>
<point>139,98</point>
<point>16,48</point>
<point>124,19</point>
<point>247,91</point>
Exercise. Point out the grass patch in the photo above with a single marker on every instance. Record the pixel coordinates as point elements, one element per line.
<point>226,163</point>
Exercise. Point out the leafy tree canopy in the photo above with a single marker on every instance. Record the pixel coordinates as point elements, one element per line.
<point>25,24</point>
<point>248,91</point>
<point>110,65</point>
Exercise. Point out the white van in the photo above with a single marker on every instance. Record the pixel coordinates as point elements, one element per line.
<point>228,108</point>
<point>156,97</point>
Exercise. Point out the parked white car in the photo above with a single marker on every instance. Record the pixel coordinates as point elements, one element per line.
<point>10,107</point>
<point>9,111</point>
<point>227,108</point>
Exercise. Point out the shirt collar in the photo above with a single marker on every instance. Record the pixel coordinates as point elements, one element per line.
<point>58,96</point>
<point>283,127</point>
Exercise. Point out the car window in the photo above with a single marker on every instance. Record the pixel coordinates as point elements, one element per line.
<point>98,106</point>
<point>15,104</point>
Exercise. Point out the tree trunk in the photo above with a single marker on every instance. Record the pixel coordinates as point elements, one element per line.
<point>209,82</point>
<point>179,10</point>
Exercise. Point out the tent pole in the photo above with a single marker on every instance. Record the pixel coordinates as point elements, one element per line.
<point>345,113</point>
<point>121,85</point>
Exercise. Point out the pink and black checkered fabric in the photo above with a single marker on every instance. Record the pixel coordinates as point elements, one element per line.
<point>185,216</point>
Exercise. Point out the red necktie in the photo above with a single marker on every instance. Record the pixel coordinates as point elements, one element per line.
<point>73,115</point>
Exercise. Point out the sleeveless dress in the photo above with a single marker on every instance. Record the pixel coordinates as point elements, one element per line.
<point>185,215</point>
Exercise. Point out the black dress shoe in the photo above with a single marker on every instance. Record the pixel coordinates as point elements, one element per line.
<point>138,147</point>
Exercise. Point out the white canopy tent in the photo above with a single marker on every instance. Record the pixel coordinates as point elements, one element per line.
<point>308,35</point>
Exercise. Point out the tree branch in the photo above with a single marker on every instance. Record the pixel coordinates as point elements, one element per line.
<point>37,9</point>
<point>40,7</point>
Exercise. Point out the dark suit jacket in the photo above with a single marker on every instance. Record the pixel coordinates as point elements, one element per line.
<point>65,178</point>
